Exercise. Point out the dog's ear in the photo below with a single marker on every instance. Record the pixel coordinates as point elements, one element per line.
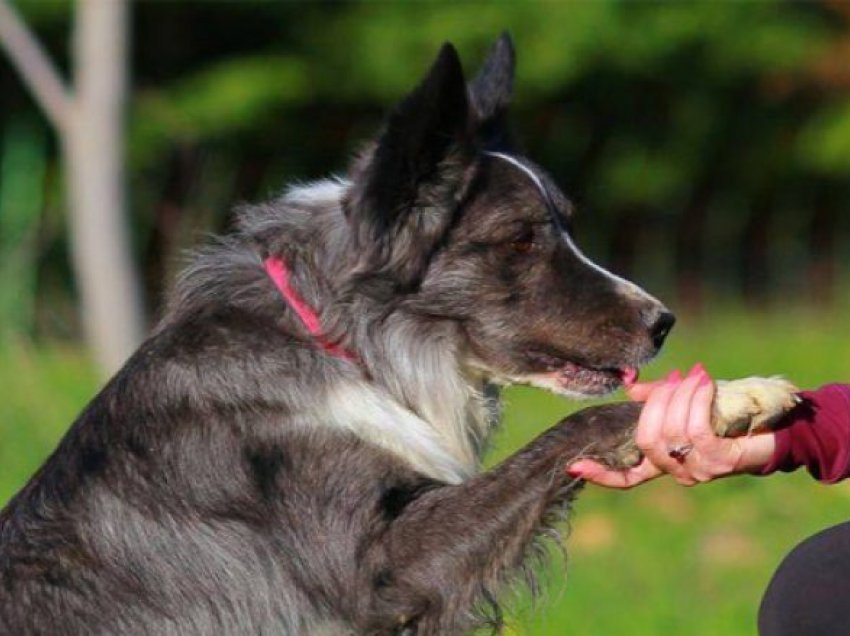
<point>491,90</point>
<point>405,189</point>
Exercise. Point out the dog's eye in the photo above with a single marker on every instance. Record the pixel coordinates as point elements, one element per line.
<point>523,243</point>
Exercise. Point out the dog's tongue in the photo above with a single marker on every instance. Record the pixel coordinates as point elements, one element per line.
<point>630,376</point>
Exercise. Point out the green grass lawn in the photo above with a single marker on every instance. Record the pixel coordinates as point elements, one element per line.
<point>658,559</point>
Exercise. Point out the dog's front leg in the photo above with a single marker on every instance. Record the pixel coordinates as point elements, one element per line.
<point>449,549</point>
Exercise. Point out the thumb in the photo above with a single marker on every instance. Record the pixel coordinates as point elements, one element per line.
<point>600,475</point>
<point>584,468</point>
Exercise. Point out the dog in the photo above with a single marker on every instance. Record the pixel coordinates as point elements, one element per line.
<point>296,447</point>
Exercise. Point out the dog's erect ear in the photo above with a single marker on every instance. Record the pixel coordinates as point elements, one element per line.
<point>405,190</point>
<point>492,88</point>
<point>424,128</point>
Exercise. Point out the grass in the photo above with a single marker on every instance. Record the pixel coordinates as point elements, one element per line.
<point>657,559</point>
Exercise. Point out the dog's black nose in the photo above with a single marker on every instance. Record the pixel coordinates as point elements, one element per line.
<point>659,322</point>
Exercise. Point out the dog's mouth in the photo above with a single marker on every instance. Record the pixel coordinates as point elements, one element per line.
<point>579,377</point>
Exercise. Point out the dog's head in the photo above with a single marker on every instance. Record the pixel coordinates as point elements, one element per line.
<point>448,216</point>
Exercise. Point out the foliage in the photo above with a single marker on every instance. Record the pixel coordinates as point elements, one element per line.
<point>643,111</point>
<point>22,168</point>
<point>824,143</point>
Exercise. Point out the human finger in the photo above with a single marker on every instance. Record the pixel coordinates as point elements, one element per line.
<point>717,457</point>
<point>648,434</point>
<point>685,465</point>
<point>640,392</point>
<point>699,417</point>
<point>675,429</point>
<point>601,475</point>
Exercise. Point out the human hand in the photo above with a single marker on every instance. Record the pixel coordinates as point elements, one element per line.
<point>677,415</point>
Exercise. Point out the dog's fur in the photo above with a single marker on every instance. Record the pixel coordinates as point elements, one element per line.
<point>234,477</point>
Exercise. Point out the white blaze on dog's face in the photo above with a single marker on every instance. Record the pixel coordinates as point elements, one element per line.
<point>447,214</point>
<point>574,377</point>
<point>534,308</point>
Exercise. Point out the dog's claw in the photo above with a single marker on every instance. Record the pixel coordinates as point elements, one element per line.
<point>751,405</point>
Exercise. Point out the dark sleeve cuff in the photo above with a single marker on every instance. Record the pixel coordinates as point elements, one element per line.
<point>817,436</point>
<point>781,460</point>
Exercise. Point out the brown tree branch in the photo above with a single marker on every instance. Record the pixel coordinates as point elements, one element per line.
<point>31,61</point>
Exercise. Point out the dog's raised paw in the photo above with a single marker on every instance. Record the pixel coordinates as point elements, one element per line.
<point>750,405</point>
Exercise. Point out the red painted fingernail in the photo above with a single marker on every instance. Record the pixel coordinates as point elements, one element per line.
<point>673,377</point>
<point>704,379</point>
<point>573,472</point>
<point>694,370</point>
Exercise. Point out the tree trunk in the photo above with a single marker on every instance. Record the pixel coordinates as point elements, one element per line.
<point>93,147</point>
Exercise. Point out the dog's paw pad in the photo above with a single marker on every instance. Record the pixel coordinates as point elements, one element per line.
<point>751,405</point>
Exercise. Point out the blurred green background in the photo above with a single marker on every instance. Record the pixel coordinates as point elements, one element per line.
<point>707,146</point>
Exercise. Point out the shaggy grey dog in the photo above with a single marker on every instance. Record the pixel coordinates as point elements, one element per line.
<point>296,447</point>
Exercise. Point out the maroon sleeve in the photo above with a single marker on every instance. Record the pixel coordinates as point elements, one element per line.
<point>817,436</point>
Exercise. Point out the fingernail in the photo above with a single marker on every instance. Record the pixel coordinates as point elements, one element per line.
<point>574,472</point>
<point>694,370</point>
<point>674,376</point>
<point>704,379</point>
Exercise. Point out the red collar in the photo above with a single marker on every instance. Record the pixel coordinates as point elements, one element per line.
<point>278,271</point>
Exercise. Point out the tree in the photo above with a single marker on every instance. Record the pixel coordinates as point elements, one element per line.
<point>89,120</point>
